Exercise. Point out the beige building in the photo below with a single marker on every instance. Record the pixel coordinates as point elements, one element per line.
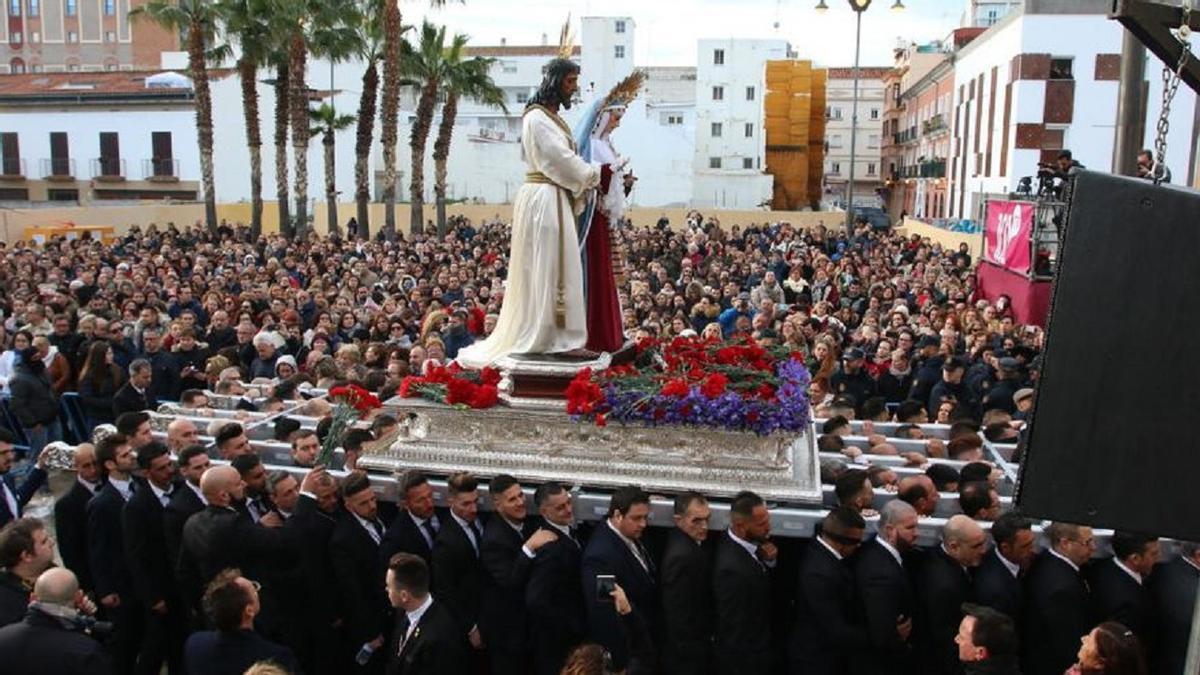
<point>868,171</point>
<point>78,36</point>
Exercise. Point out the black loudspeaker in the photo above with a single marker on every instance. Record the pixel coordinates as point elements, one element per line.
<point>1115,436</point>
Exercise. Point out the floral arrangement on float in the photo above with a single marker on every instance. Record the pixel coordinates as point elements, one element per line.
<point>454,386</point>
<point>736,386</point>
<point>351,403</point>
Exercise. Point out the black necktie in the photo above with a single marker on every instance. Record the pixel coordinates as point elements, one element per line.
<point>378,530</point>
<point>427,526</point>
<point>478,534</point>
<point>402,630</point>
<point>645,557</point>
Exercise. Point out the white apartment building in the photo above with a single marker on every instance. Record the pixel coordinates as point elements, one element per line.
<point>1042,80</point>
<point>730,146</point>
<point>868,163</point>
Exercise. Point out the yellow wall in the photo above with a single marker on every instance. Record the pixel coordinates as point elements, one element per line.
<point>14,221</point>
<point>946,238</point>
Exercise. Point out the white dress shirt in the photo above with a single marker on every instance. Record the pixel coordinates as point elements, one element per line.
<point>887,547</point>
<point>1013,568</point>
<point>1063,558</point>
<point>414,617</point>
<point>1121,566</point>
<point>637,554</point>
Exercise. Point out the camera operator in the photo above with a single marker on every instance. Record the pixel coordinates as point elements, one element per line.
<point>53,637</point>
<point>1053,176</point>
<point>1146,167</point>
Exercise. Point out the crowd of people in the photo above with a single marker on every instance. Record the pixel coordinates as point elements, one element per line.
<point>211,567</point>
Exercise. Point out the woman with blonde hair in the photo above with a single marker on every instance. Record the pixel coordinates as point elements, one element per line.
<point>432,325</point>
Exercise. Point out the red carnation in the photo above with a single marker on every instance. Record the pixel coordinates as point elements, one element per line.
<point>460,391</point>
<point>489,376</point>
<point>714,385</point>
<point>676,388</point>
<point>765,391</point>
<point>601,420</point>
<point>486,396</point>
<point>752,417</point>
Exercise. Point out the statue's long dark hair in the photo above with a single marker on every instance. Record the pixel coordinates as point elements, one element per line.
<point>550,92</point>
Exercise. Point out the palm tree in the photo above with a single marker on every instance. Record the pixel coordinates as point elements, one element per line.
<point>370,37</point>
<point>389,109</point>
<point>282,107</point>
<point>197,20</point>
<point>428,62</point>
<point>247,21</point>
<point>327,123</point>
<point>472,79</point>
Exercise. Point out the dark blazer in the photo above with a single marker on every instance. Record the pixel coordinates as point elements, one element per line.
<point>146,558</point>
<point>359,577</point>
<point>1057,614</point>
<point>742,599</point>
<point>997,588</point>
<point>686,579</point>
<point>127,399</point>
<point>828,628</point>
<point>1116,596</point>
<point>944,586</point>
<point>437,645</point>
<point>211,652</point>
<point>557,618</point>
<point>321,601</point>
<point>14,598</point>
<point>39,645</point>
<point>404,536</point>
<point>459,578</point>
<point>502,618</point>
<point>106,543</point>
<point>70,531</point>
<point>35,480</point>
<point>217,538</point>
<point>184,503</point>
<point>1173,594</point>
<point>607,554</point>
<point>885,594</point>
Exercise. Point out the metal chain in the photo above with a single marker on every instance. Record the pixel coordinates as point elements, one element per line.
<point>1170,81</point>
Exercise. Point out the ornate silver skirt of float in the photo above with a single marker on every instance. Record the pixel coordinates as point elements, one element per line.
<point>539,445</point>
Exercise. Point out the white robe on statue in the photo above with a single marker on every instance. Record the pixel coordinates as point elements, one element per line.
<point>544,246</point>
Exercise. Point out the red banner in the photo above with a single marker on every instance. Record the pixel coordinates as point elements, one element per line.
<point>1007,232</point>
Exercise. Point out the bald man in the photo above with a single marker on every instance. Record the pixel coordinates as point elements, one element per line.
<point>885,591</point>
<point>220,537</point>
<point>945,584</point>
<point>180,434</point>
<point>70,514</point>
<point>42,641</point>
<point>920,492</point>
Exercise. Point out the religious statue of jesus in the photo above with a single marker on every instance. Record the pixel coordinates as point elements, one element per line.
<point>543,309</point>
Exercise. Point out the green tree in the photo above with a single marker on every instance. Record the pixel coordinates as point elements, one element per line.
<point>198,21</point>
<point>472,79</point>
<point>326,123</point>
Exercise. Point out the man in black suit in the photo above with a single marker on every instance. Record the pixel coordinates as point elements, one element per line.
<point>134,395</point>
<point>944,582</point>
<point>459,578</point>
<point>998,581</point>
<point>70,515</point>
<point>1057,608</point>
<point>742,589</point>
<point>232,602</point>
<point>42,642</point>
<point>106,549</point>
<point>415,528</point>
<point>187,499</point>
<point>510,542</point>
<point>1118,585</point>
<point>257,502</point>
<point>354,554</point>
<point>13,499</point>
<point>886,593</point>
<point>149,567</point>
<point>26,550</point>
<point>557,619</point>
<point>164,372</point>
<point>687,589</point>
<point>616,549</point>
<point>828,627</point>
<point>427,639</point>
<point>315,518</point>
<point>1173,588</point>
<point>987,642</point>
<point>219,538</point>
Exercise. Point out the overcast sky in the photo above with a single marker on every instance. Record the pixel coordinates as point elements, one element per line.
<point>667,30</point>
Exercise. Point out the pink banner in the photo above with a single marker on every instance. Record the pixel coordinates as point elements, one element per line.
<point>1007,230</point>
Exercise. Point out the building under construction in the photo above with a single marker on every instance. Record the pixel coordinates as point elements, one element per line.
<point>795,123</point>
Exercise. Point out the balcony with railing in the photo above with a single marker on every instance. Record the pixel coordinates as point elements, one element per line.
<point>12,168</point>
<point>58,168</point>
<point>161,169</point>
<point>934,125</point>
<point>934,168</point>
<point>108,169</point>
<point>907,136</point>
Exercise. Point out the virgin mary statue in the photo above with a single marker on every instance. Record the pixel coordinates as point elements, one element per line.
<point>542,310</point>
<point>604,211</point>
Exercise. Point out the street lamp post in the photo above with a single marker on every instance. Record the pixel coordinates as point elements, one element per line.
<point>858,6</point>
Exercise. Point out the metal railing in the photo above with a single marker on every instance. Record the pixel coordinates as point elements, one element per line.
<point>933,169</point>
<point>161,168</point>
<point>108,167</point>
<point>12,167</point>
<point>58,167</point>
<point>934,124</point>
